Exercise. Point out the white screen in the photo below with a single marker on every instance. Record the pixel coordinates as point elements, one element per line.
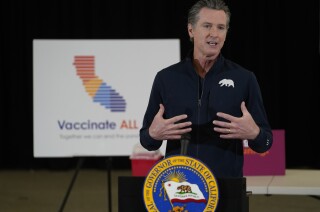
<point>90,95</point>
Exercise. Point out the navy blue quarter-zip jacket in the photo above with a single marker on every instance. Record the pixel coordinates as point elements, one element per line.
<point>180,89</point>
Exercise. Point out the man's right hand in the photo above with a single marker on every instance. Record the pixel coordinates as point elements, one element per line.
<point>168,129</point>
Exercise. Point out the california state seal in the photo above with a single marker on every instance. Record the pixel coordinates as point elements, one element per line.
<point>180,183</point>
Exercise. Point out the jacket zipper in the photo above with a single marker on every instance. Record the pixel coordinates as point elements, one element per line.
<point>200,94</point>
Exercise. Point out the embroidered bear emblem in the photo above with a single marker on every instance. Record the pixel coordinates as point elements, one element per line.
<point>226,82</point>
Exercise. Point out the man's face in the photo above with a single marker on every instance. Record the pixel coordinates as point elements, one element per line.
<point>209,33</point>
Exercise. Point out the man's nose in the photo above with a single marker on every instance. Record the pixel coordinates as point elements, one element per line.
<point>213,31</point>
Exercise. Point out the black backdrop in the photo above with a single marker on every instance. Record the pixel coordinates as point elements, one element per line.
<point>276,39</point>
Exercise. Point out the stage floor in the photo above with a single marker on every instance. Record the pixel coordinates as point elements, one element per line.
<point>44,190</point>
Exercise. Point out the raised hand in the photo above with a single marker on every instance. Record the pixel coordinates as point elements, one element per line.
<point>167,129</point>
<point>237,127</point>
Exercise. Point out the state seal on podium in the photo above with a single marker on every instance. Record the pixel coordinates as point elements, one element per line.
<point>180,183</point>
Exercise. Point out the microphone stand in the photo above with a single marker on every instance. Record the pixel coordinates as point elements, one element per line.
<point>185,140</point>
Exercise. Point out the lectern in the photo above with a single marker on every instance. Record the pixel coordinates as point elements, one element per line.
<point>232,194</point>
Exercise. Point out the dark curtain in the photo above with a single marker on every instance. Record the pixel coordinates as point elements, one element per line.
<point>277,40</point>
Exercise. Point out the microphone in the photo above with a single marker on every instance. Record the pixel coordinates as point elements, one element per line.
<point>185,140</point>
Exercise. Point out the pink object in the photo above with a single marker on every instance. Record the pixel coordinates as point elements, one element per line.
<point>271,162</point>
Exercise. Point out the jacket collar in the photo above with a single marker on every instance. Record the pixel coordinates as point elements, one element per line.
<point>215,69</point>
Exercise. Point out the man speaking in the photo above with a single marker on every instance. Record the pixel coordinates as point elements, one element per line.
<point>212,99</point>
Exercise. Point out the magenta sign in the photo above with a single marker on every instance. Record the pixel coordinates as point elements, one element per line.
<point>271,162</point>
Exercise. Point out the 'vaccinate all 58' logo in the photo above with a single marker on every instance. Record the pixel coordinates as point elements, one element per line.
<point>98,89</point>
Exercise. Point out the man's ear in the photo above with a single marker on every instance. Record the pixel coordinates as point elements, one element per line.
<point>190,32</point>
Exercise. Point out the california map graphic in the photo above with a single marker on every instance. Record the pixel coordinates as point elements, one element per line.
<point>97,89</point>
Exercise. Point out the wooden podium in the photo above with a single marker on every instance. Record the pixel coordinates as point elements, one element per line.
<point>232,194</point>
